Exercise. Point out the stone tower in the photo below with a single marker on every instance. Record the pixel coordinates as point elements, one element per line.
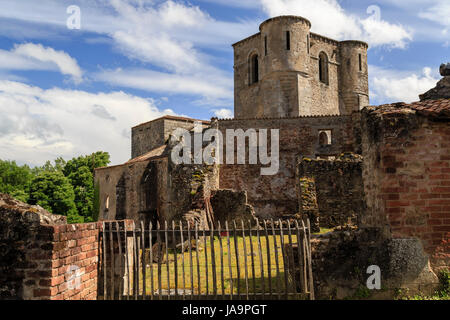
<point>287,71</point>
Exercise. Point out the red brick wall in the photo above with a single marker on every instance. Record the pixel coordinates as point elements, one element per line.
<point>65,263</point>
<point>407,180</point>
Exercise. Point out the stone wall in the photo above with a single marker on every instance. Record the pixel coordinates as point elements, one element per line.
<point>338,188</point>
<point>151,135</point>
<point>289,83</point>
<point>407,174</point>
<point>153,189</point>
<point>275,196</point>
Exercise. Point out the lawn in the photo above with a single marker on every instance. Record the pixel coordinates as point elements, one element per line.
<point>202,269</point>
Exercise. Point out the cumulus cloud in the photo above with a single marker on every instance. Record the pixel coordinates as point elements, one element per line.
<point>167,37</point>
<point>223,113</point>
<point>38,125</point>
<point>388,85</point>
<point>30,56</point>
<point>330,19</point>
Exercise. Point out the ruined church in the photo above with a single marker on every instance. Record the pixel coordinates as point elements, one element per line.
<point>306,85</point>
<point>384,170</point>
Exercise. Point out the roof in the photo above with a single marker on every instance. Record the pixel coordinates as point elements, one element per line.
<point>438,108</point>
<point>185,119</point>
<point>157,153</point>
<point>154,154</point>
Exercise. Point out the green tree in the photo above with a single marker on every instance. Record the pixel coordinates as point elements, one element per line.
<point>15,180</point>
<point>53,192</point>
<point>83,187</point>
<point>80,172</point>
<point>93,161</point>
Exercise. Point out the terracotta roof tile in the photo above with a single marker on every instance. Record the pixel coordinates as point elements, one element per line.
<point>439,108</point>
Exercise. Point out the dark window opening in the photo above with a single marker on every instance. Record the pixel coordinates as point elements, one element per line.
<point>288,40</point>
<point>254,69</point>
<point>325,138</point>
<point>360,62</point>
<point>323,67</point>
<point>307,43</point>
<point>265,45</point>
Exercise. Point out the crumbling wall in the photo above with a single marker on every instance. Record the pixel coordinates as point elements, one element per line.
<point>41,257</point>
<point>229,205</point>
<point>338,187</point>
<point>308,207</point>
<point>407,174</point>
<point>275,196</point>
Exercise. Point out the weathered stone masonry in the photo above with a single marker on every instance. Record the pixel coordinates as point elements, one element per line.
<point>275,196</point>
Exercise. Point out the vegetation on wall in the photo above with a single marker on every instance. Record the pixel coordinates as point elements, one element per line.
<point>64,188</point>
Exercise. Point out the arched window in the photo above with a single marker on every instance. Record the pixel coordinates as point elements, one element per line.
<point>323,67</point>
<point>325,138</point>
<point>254,69</point>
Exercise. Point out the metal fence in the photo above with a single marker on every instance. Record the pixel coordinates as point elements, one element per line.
<point>241,261</point>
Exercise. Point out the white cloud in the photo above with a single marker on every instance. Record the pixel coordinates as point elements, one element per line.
<point>223,113</point>
<point>38,125</point>
<point>388,85</point>
<point>330,19</point>
<point>30,56</point>
<point>439,12</point>
<point>214,88</point>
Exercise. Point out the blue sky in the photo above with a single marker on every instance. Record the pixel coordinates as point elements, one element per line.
<point>66,92</point>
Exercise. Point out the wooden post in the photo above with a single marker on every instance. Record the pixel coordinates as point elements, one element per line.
<point>311,282</point>
<point>166,235</point>
<point>275,245</point>
<point>213,262</point>
<point>182,257</point>
<point>150,241</point>
<point>301,265</point>
<point>230,269</point>
<point>105,289</point>
<point>283,250</point>
<point>221,261</point>
<point>174,248</point>
<point>261,261</point>
<point>253,258</point>
<point>158,241</point>
<point>144,265</point>
<point>236,251</point>
<point>244,238</point>
<point>269,267</point>
<point>120,261</point>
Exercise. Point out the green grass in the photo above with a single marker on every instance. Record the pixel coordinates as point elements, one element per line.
<point>231,282</point>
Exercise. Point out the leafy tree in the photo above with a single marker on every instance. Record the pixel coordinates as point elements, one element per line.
<point>80,172</point>
<point>83,187</point>
<point>53,192</point>
<point>59,165</point>
<point>15,180</point>
<point>61,187</point>
<point>93,161</point>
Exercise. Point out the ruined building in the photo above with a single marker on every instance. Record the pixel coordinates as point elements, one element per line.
<point>308,86</point>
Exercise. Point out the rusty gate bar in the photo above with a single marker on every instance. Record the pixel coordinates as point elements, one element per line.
<point>134,257</point>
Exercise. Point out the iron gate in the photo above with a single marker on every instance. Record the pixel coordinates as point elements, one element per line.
<point>267,260</point>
